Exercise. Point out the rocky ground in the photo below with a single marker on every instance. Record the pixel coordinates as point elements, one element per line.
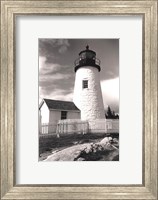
<point>106,149</point>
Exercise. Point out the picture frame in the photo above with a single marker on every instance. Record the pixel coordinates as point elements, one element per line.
<point>9,11</point>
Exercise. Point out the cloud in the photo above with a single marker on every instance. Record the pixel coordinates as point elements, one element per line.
<point>59,94</point>
<point>63,45</point>
<point>51,84</point>
<point>62,49</point>
<point>55,77</point>
<point>51,72</point>
<point>47,46</point>
<point>47,68</point>
<point>110,92</point>
<point>54,80</point>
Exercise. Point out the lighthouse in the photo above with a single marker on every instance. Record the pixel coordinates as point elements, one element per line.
<point>87,89</point>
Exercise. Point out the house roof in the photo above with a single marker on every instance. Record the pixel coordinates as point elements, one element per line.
<point>60,105</point>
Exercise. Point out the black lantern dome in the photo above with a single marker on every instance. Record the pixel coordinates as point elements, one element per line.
<point>87,57</point>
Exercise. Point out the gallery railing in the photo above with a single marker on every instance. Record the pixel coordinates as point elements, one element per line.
<point>87,61</point>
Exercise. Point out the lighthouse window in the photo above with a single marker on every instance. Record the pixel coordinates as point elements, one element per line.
<point>85,84</point>
<point>63,114</point>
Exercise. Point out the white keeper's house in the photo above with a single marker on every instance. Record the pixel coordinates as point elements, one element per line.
<point>51,111</point>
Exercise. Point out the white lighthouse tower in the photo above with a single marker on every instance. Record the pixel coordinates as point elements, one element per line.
<point>87,89</point>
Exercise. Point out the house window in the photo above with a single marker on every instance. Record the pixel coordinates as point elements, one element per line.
<point>85,84</point>
<point>63,114</point>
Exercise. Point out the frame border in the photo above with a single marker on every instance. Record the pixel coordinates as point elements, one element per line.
<point>9,11</point>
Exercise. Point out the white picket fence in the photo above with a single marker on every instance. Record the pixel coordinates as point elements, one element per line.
<point>81,127</point>
<point>112,125</point>
<point>46,128</point>
<point>72,126</point>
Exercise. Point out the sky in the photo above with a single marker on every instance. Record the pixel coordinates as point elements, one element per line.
<point>56,68</point>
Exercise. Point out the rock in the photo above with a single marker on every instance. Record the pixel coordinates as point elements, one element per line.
<point>88,149</point>
<point>100,148</point>
<point>80,159</point>
<point>110,138</point>
<point>75,142</point>
<point>105,141</point>
<point>94,150</point>
<point>67,154</point>
<point>115,140</point>
<point>95,147</point>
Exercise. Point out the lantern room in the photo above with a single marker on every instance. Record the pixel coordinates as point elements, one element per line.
<point>87,57</point>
